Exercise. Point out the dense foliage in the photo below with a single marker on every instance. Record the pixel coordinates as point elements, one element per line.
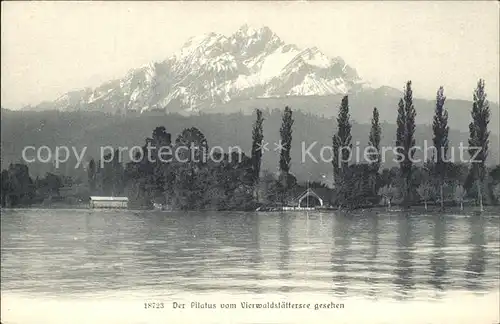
<point>405,140</point>
<point>479,136</point>
<point>233,180</point>
<point>440,130</point>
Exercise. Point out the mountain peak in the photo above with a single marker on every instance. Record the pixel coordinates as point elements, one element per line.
<point>212,69</point>
<point>250,30</point>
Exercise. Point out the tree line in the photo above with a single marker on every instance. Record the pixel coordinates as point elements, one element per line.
<point>439,180</point>
<point>225,181</point>
<point>19,189</point>
<point>234,180</point>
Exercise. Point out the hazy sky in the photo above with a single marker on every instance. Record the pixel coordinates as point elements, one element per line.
<point>49,48</point>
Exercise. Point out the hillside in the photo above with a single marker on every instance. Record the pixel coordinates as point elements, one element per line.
<point>95,129</point>
<point>362,103</point>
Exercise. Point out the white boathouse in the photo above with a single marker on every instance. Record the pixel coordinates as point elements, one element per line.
<point>108,202</point>
<point>308,198</point>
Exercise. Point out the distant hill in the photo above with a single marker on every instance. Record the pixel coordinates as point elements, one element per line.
<point>361,106</point>
<point>95,129</point>
<point>251,68</point>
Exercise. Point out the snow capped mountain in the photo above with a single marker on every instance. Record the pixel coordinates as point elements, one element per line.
<point>214,69</point>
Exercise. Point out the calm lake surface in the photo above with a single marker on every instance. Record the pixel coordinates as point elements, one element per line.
<point>82,266</point>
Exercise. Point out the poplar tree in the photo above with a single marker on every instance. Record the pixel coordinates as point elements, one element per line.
<point>440,129</point>
<point>91,175</point>
<point>286,140</point>
<point>374,140</point>
<point>374,143</point>
<point>479,136</point>
<point>257,137</point>
<point>342,140</point>
<point>405,139</point>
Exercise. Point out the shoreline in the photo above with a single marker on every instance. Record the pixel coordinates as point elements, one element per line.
<point>395,209</point>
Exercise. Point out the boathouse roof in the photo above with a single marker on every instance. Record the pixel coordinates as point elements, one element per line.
<point>101,198</point>
<point>324,193</point>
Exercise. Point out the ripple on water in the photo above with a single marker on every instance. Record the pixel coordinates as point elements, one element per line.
<point>382,256</point>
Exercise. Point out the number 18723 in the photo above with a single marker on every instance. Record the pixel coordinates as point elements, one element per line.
<point>154,305</point>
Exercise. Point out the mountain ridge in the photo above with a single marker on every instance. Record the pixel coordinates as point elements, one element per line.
<point>252,68</point>
<point>214,68</point>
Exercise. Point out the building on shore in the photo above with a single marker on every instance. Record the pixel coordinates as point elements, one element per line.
<point>108,202</point>
<point>303,199</point>
<point>311,198</point>
<point>307,198</point>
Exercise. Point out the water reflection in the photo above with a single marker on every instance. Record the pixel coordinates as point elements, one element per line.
<point>340,251</point>
<point>255,258</point>
<point>438,264</point>
<point>373,279</point>
<point>404,256</point>
<point>284,251</point>
<point>68,252</point>
<point>477,257</point>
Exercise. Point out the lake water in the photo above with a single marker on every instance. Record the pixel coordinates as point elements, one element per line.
<point>83,266</point>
